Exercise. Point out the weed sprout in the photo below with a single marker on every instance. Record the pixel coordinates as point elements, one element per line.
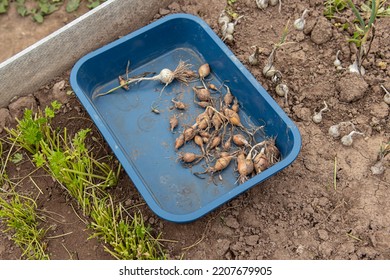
<point>269,70</point>
<point>361,36</point>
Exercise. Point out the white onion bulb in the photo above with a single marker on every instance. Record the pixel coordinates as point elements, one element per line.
<point>299,23</point>
<point>262,4</point>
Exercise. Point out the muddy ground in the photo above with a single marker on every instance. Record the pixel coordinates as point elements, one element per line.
<point>302,212</point>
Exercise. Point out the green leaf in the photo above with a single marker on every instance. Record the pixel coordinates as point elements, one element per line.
<point>49,113</point>
<point>44,7</point>
<point>22,10</point>
<point>374,10</point>
<point>56,105</point>
<point>47,8</point>
<point>72,5</point>
<point>17,157</point>
<point>93,4</point>
<point>39,159</point>
<point>356,12</point>
<point>38,17</point>
<point>3,6</point>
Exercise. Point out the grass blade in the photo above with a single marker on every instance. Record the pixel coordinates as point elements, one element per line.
<point>357,14</point>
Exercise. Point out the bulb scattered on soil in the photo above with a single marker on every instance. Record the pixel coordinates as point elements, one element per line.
<point>317,117</point>
<point>299,23</point>
<point>347,139</point>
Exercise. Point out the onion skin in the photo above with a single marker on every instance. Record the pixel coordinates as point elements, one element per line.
<point>260,162</point>
<point>199,141</point>
<point>228,98</point>
<point>215,142</point>
<point>235,106</point>
<point>220,164</point>
<point>204,71</point>
<point>245,167</point>
<point>179,142</point>
<point>216,121</point>
<point>179,105</point>
<point>240,140</point>
<point>189,157</point>
<point>173,122</point>
<point>166,76</point>
<point>189,133</point>
<point>228,144</point>
<point>203,94</point>
<point>233,117</point>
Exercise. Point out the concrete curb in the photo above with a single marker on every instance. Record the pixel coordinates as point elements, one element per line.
<point>37,65</point>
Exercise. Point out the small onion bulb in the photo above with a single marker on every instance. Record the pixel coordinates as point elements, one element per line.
<point>299,23</point>
<point>223,18</point>
<point>253,58</point>
<point>317,117</point>
<point>354,68</point>
<point>273,2</point>
<point>378,168</point>
<point>229,38</point>
<point>166,76</point>
<point>277,77</point>
<point>262,4</point>
<point>386,97</point>
<point>337,61</point>
<point>282,90</point>
<point>269,71</point>
<point>347,140</point>
<point>204,70</point>
<point>229,28</point>
<point>334,131</point>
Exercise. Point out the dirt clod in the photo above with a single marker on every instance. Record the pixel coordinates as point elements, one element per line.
<point>17,107</point>
<point>322,31</point>
<point>351,87</point>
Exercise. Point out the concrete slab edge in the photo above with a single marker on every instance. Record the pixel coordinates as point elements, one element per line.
<point>40,63</point>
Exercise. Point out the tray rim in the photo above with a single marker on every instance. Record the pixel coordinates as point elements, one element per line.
<point>137,181</point>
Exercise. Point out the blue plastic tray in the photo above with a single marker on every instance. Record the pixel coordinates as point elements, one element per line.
<point>142,141</point>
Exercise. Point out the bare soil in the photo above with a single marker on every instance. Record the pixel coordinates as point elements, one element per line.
<point>301,213</point>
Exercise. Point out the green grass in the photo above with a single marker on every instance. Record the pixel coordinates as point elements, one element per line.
<point>364,31</point>
<point>129,238</point>
<point>19,215</point>
<point>363,24</point>
<point>87,179</point>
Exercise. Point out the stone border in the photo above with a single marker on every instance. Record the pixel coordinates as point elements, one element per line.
<point>40,63</point>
